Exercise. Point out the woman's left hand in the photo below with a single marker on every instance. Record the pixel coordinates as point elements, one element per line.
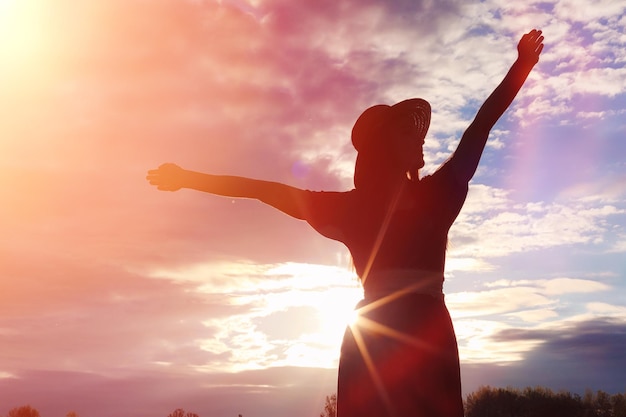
<point>168,177</point>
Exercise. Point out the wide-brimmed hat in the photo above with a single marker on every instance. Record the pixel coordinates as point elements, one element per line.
<point>369,129</point>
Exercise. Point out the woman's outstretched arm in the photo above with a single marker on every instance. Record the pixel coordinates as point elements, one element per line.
<point>289,200</point>
<point>466,157</point>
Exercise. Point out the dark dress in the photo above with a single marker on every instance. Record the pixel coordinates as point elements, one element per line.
<point>400,359</point>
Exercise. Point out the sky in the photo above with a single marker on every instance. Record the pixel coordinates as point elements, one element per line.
<point>120,300</point>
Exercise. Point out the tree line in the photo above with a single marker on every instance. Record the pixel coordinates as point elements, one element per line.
<point>529,402</point>
<point>543,402</point>
<point>485,402</point>
<point>28,411</point>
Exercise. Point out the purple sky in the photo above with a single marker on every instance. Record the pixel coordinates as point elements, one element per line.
<point>117,299</point>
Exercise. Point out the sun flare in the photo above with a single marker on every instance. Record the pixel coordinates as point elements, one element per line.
<point>332,293</point>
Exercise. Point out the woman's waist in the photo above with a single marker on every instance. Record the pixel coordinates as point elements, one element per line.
<point>391,282</point>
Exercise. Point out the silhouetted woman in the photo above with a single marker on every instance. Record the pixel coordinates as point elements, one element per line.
<point>400,358</point>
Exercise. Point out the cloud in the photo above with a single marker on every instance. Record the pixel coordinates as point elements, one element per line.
<point>491,225</point>
<point>499,301</point>
<point>620,245</point>
<point>289,314</point>
<point>595,345</point>
<point>555,286</point>
<point>102,320</point>
<point>532,300</point>
<point>576,10</point>
<point>488,322</point>
<point>606,310</point>
<point>506,306</point>
<point>574,357</point>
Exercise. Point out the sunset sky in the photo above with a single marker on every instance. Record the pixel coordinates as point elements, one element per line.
<point>120,300</point>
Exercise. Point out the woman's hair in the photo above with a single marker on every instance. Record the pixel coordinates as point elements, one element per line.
<point>368,137</point>
<point>370,167</point>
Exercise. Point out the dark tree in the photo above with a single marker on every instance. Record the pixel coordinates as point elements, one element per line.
<point>492,402</point>
<point>618,403</point>
<point>179,412</point>
<point>23,411</point>
<point>330,408</point>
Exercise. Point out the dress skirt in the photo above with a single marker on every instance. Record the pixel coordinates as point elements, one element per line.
<point>400,359</point>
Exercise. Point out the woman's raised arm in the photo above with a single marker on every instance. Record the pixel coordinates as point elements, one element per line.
<point>466,157</point>
<point>289,200</point>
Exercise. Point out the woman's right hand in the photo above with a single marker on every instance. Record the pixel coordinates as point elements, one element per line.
<point>167,177</point>
<point>529,47</point>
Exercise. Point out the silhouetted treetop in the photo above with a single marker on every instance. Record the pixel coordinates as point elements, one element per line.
<point>179,412</point>
<point>23,411</point>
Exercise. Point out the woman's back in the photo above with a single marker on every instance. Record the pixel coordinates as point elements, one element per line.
<point>405,231</point>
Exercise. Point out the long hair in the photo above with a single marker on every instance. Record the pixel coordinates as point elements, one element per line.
<point>371,168</point>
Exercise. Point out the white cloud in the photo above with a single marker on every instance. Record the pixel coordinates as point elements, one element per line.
<point>476,343</point>
<point>467,264</point>
<point>532,301</point>
<point>555,286</point>
<point>610,189</point>
<point>608,82</point>
<point>275,295</point>
<point>587,10</point>
<point>523,305</point>
<point>619,246</point>
<point>490,225</point>
<point>535,316</point>
<point>497,301</point>
<point>606,310</point>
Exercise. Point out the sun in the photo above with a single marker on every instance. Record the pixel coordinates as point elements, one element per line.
<point>332,294</point>
<point>23,41</point>
<point>337,310</point>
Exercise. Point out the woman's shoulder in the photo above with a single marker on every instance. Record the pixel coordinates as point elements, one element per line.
<point>330,196</point>
<point>328,203</point>
<point>329,212</point>
<point>445,176</point>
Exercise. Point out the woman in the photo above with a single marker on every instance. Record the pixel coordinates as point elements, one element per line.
<point>400,358</point>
